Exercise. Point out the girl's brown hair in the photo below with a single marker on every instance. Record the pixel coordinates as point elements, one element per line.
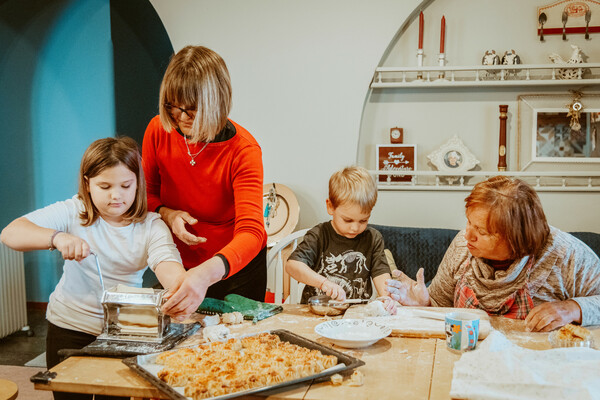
<point>353,185</point>
<point>107,153</point>
<point>197,78</point>
<point>515,213</point>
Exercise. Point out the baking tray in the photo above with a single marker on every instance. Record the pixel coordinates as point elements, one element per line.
<point>144,365</point>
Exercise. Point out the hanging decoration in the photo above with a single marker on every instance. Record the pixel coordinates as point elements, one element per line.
<point>575,109</point>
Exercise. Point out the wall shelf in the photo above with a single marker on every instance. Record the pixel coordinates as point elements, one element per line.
<point>484,76</point>
<point>546,181</point>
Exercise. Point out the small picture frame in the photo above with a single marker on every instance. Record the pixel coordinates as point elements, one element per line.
<point>396,157</point>
<point>453,156</point>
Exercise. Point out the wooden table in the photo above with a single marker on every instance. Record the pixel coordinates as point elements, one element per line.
<point>410,368</point>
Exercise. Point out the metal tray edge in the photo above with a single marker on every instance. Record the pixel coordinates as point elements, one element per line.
<point>349,361</point>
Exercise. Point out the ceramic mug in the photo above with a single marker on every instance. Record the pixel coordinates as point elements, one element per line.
<point>462,331</point>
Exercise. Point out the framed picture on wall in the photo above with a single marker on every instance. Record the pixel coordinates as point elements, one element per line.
<point>453,156</point>
<point>396,158</point>
<point>547,138</point>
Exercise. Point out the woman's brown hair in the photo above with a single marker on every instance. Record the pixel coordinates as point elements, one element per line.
<point>197,78</point>
<point>515,213</point>
<point>108,153</point>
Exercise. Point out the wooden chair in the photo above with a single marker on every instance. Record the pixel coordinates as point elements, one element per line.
<point>286,289</point>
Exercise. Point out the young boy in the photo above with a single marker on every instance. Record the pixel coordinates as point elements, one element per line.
<point>339,257</point>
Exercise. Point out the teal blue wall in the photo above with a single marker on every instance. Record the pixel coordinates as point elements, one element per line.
<point>57,95</point>
<point>57,62</point>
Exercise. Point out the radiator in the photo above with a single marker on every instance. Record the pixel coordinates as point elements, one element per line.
<point>13,303</point>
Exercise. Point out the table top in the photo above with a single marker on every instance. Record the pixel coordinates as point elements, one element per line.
<point>421,368</point>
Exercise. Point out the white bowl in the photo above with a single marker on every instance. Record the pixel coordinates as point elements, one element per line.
<point>353,333</point>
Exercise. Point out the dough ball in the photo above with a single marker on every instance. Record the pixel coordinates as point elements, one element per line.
<point>210,320</point>
<point>235,317</point>
<point>376,309</point>
<point>215,333</point>
<point>337,379</point>
<point>357,378</point>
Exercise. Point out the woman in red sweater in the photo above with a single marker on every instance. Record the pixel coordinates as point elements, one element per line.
<point>204,176</point>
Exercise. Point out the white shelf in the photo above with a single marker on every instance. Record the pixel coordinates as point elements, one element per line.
<point>484,76</point>
<point>576,181</point>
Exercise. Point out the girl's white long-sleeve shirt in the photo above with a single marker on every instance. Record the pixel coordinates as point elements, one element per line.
<point>123,253</point>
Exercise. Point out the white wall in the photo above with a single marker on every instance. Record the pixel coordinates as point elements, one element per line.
<point>430,117</point>
<point>301,72</point>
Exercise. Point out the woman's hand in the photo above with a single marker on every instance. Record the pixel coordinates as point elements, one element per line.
<point>407,291</point>
<point>186,294</point>
<point>333,290</point>
<point>176,220</point>
<point>71,247</point>
<point>552,315</point>
<point>389,304</point>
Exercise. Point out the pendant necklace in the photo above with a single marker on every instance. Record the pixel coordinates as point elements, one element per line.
<point>193,156</point>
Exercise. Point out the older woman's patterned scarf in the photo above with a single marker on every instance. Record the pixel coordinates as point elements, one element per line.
<point>498,292</point>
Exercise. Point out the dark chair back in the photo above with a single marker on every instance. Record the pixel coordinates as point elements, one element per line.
<point>592,239</point>
<point>415,248</point>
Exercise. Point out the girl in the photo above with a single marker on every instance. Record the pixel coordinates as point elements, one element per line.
<point>108,217</point>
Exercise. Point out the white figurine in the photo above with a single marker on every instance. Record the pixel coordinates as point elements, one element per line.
<point>490,58</point>
<point>569,73</point>
<point>510,57</point>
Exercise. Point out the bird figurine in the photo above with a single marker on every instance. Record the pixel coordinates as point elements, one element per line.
<point>490,58</point>
<point>510,57</point>
<point>569,73</point>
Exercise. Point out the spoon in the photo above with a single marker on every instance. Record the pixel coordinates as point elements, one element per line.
<point>565,17</point>
<point>588,17</point>
<point>542,18</point>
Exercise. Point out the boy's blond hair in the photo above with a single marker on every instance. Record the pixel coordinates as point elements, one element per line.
<point>353,185</point>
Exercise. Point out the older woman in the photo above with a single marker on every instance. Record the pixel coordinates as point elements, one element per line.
<point>509,262</point>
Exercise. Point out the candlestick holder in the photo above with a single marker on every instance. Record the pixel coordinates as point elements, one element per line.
<point>420,63</point>
<point>442,63</point>
<point>502,138</point>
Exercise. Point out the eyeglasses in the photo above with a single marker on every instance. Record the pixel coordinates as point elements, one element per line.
<point>175,111</point>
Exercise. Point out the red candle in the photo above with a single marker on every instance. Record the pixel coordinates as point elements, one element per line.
<point>442,35</point>
<point>421,30</point>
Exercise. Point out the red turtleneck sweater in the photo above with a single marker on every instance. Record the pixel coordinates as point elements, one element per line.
<point>223,191</point>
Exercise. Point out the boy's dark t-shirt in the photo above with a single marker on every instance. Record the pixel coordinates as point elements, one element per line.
<point>348,262</point>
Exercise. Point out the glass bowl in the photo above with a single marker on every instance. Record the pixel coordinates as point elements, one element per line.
<point>555,342</point>
<point>320,305</point>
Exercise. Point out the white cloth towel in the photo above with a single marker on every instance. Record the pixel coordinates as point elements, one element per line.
<point>499,369</point>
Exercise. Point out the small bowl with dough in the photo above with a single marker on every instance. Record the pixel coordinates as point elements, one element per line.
<point>353,333</point>
<point>321,305</point>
